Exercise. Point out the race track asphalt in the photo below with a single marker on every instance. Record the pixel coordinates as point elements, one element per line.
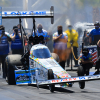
<point>25,92</point>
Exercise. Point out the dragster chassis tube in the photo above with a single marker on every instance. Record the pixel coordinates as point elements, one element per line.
<point>69,80</point>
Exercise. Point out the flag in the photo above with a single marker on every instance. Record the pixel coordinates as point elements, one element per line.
<point>93,51</point>
<point>94,56</point>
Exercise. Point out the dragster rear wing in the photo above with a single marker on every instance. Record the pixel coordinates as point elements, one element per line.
<point>69,80</point>
<point>29,14</point>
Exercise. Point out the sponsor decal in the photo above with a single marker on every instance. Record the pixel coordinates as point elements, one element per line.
<point>55,81</point>
<point>63,80</point>
<point>25,13</point>
<point>21,78</point>
<point>81,78</point>
<point>22,72</point>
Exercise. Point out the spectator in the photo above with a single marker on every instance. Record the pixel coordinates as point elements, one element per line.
<point>60,45</point>
<point>72,40</point>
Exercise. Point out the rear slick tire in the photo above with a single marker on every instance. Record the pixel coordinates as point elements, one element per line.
<point>51,76</point>
<point>11,61</point>
<point>81,73</point>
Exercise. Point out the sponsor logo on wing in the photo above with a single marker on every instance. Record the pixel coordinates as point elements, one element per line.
<point>81,78</point>
<point>94,77</point>
<point>63,80</point>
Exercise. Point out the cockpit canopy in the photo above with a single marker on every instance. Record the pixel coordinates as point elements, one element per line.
<point>40,51</point>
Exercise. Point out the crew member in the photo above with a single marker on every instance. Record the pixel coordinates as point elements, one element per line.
<point>72,41</point>
<point>41,32</point>
<point>86,61</point>
<point>16,43</point>
<point>60,45</point>
<point>4,47</point>
<point>94,36</point>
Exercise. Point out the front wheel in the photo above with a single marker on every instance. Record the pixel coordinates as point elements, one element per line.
<point>51,76</point>
<point>81,73</point>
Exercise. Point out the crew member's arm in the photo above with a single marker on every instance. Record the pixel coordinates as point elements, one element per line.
<point>55,37</point>
<point>90,40</point>
<point>98,43</point>
<point>65,36</point>
<point>8,36</point>
<point>19,34</point>
<point>13,36</point>
<point>1,36</point>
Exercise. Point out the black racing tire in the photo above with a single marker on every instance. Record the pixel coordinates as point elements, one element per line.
<point>14,59</point>
<point>55,56</point>
<point>11,61</point>
<point>51,76</point>
<point>81,73</point>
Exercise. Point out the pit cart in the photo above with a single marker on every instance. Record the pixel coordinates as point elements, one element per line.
<point>39,66</point>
